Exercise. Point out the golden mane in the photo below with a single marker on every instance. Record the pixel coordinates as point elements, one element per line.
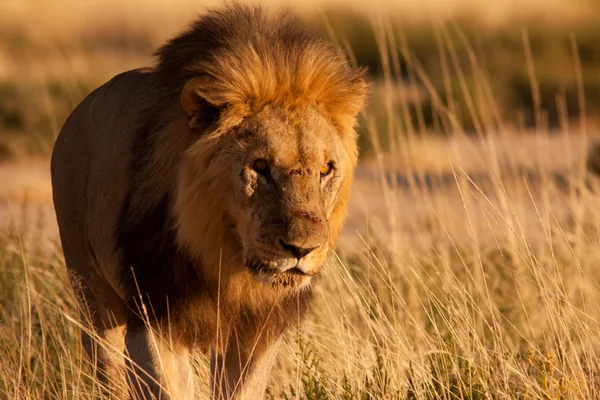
<point>241,59</point>
<point>249,60</point>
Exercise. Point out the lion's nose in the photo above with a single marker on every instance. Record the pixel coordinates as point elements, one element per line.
<point>297,252</point>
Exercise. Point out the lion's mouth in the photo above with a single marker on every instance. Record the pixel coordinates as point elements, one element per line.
<point>270,268</point>
<point>295,271</point>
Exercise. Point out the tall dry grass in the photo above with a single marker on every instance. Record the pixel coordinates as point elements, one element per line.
<point>468,267</point>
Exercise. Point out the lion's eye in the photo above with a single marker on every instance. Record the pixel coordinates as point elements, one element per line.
<point>261,166</point>
<point>326,169</point>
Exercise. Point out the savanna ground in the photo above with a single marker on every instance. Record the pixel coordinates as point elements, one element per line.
<point>468,267</point>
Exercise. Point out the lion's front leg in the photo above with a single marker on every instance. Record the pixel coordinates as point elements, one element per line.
<point>243,371</point>
<point>156,368</point>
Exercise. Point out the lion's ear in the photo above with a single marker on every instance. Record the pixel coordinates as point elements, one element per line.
<point>345,101</point>
<point>196,105</point>
<point>360,90</point>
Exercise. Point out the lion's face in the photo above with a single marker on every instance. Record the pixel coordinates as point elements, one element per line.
<point>286,171</point>
<point>279,176</point>
<point>264,185</point>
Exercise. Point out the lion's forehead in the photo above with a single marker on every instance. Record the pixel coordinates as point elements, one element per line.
<point>308,138</point>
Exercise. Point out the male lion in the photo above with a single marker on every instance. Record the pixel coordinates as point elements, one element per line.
<point>197,200</point>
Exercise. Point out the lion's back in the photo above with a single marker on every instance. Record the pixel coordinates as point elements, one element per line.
<point>89,168</point>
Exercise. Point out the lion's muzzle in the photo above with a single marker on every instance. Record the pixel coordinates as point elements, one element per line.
<point>294,244</point>
<point>303,233</point>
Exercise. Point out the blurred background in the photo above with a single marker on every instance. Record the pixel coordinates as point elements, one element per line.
<point>442,74</point>
<point>438,68</point>
<point>52,54</point>
<point>468,266</point>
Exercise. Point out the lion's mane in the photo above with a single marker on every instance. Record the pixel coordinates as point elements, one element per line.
<point>247,60</point>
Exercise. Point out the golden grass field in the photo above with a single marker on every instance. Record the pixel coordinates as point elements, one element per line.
<point>468,266</point>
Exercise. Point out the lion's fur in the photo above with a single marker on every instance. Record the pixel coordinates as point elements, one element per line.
<point>242,62</point>
<point>248,60</point>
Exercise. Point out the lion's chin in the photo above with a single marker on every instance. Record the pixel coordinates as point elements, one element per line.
<point>293,278</point>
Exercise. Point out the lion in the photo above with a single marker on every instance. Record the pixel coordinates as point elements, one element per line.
<point>197,200</point>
